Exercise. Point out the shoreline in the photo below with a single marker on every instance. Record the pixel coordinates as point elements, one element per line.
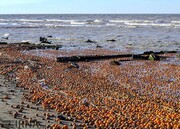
<point>134,94</point>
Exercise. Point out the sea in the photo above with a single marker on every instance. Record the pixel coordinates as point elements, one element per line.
<point>133,32</point>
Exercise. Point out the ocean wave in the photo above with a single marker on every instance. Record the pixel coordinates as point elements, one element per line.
<point>78,23</point>
<point>70,25</point>
<point>48,25</point>
<point>149,24</point>
<point>27,20</point>
<point>118,21</point>
<point>20,27</point>
<point>53,23</point>
<point>131,21</point>
<point>4,20</point>
<point>8,24</point>
<point>110,24</point>
<point>3,24</point>
<point>59,20</point>
<point>88,21</point>
<point>143,21</point>
<point>176,22</point>
<point>63,25</point>
<point>160,21</point>
<point>97,21</point>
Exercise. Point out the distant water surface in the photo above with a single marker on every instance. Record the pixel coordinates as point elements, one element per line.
<point>136,33</point>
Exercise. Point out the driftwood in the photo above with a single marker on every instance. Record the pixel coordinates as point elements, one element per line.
<point>144,56</point>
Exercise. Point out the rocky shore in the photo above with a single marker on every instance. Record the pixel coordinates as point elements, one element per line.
<point>37,91</point>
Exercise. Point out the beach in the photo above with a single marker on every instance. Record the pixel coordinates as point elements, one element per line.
<point>37,90</point>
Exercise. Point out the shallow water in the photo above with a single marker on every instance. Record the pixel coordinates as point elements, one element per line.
<point>136,33</point>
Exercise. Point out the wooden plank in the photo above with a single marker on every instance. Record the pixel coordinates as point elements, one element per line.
<point>144,56</point>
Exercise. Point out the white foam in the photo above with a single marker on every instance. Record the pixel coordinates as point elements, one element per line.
<point>28,20</point>
<point>5,20</point>
<point>142,21</point>
<point>59,20</point>
<point>6,35</point>
<point>118,21</point>
<point>3,24</point>
<point>97,21</point>
<point>176,22</point>
<point>78,23</point>
<point>149,24</point>
<point>130,21</point>
<point>110,24</point>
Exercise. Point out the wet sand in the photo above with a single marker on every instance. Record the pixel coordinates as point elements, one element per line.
<point>12,101</point>
<point>97,94</point>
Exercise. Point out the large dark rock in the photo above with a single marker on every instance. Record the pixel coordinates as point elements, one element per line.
<point>90,41</point>
<point>44,40</point>
<point>111,40</point>
<point>61,117</point>
<point>2,43</point>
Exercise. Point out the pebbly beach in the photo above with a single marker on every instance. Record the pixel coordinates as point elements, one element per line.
<point>37,91</point>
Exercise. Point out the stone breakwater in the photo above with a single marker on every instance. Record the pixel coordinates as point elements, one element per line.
<point>97,94</point>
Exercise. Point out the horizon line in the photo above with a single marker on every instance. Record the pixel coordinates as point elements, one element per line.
<point>85,13</point>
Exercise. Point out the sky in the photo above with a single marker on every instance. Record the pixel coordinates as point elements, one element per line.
<point>89,6</point>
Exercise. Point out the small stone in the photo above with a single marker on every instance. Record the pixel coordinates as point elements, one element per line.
<point>10,112</point>
<point>98,46</point>
<point>27,106</point>
<point>61,117</point>
<point>47,117</point>
<point>15,114</point>
<point>2,125</point>
<point>20,110</point>
<point>24,116</point>
<point>73,65</point>
<point>30,120</point>
<point>48,126</point>
<point>37,123</point>
<point>52,115</point>
<point>17,106</point>
<point>22,122</point>
<point>22,107</point>
<point>90,41</point>
<point>69,118</point>
<point>115,62</point>
<point>44,114</point>
<point>26,122</point>
<point>35,120</point>
<point>31,107</point>
<point>6,97</point>
<point>74,126</point>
